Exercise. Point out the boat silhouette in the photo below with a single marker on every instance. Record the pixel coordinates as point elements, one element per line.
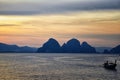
<point>111,66</point>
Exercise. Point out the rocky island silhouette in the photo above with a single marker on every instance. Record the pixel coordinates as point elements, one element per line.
<point>52,46</point>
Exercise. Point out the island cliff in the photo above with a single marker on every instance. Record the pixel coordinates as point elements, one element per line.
<point>72,46</point>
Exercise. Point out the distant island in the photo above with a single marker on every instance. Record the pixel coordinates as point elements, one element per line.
<point>53,46</point>
<point>5,48</point>
<point>72,46</point>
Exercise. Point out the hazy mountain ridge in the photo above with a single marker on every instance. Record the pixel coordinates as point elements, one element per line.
<point>101,49</point>
<point>53,46</point>
<point>16,49</point>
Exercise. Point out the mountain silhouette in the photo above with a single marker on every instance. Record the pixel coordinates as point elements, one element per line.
<point>86,48</point>
<point>51,46</point>
<point>72,46</point>
<point>16,49</point>
<point>115,49</point>
<point>8,48</point>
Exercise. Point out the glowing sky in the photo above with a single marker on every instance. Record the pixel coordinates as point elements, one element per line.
<point>32,22</point>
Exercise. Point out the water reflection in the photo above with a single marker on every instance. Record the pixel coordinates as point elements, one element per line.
<point>56,67</point>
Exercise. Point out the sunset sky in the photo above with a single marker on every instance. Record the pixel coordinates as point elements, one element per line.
<point>33,22</point>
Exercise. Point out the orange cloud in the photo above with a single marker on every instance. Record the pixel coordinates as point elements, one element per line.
<point>90,26</point>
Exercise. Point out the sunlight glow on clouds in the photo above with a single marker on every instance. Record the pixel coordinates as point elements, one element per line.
<point>96,27</point>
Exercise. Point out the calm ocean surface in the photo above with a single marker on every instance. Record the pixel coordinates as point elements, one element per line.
<point>57,67</point>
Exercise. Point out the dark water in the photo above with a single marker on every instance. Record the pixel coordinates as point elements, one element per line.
<point>57,67</point>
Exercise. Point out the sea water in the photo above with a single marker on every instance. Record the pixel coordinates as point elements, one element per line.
<point>27,66</point>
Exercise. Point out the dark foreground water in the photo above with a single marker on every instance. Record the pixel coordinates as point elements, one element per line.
<point>56,67</point>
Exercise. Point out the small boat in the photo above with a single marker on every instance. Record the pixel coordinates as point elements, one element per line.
<point>111,66</point>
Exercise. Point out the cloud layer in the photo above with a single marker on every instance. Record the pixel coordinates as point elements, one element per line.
<point>99,28</point>
<point>17,7</point>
